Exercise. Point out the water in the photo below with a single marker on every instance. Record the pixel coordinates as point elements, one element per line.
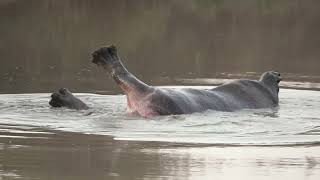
<point>46,45</point>
<point>295,122</point>
<point>39,142</point>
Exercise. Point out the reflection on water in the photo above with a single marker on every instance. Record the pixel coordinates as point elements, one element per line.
<point>73,156</point>
<point>47,44</point>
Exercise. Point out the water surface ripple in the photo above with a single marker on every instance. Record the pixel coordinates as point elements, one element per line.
<point>295,122</point>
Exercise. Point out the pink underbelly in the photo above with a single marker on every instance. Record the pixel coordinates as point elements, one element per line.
<point>141,108</point>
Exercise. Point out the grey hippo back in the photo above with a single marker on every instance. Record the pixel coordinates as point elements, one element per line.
<point>239,94</point>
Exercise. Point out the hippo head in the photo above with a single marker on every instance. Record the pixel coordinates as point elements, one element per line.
<point>271,76</point>
<point>64,98</point>
<point>61,98</point>
<point>272,80</point>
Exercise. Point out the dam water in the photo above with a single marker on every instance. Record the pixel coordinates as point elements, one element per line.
<point>295,122</point>
<point>47,44</point>
<point>38,141</point>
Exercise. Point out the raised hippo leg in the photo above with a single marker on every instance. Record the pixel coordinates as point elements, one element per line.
<point>136,90</point>
<point>108,58</point>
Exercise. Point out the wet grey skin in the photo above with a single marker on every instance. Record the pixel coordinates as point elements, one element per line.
<point>64,98</point>
<point>150,101</point>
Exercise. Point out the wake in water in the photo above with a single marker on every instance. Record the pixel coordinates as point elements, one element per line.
<point>296,121</point>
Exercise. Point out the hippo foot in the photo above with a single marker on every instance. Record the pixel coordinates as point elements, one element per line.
<point>105,56</point>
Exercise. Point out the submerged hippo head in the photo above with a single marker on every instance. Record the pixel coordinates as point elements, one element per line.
<point>64,98</point>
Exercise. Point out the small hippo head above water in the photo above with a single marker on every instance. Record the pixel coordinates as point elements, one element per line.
<point>64,98</point>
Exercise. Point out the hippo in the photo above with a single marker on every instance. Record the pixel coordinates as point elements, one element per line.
<point>149,101</point>
<point>64,98</point>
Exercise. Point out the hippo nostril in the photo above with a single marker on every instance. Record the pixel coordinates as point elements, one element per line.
<point>94,54</point>
<point>276,73</point>
<point>63,91</point>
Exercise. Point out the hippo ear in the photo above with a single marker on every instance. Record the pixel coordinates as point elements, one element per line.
<point>63,91</point>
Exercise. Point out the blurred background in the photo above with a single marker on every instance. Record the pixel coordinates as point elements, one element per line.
<point>46,44</point>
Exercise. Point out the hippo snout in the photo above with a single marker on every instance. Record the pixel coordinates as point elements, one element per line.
<point>54,95</point>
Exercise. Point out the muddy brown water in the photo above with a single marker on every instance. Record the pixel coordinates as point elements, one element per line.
<point>45,45</point>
